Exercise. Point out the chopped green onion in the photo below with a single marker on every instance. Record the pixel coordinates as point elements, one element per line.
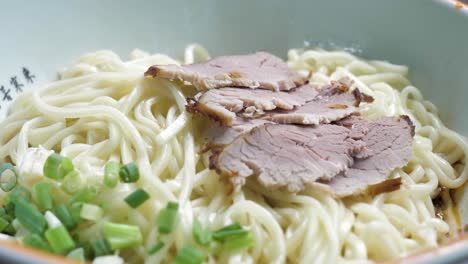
<point>56,167</point>
<point>10,209</point>
<point>105,205</point>
<point>238,242</point>
<point>172,205</point>
<point>64,215</point>
<point>72,182</point>
<point>100,247</point>
<point>77,254</point>
<point>156,248</point>
<point>137,198</point>
<point>16,224</point>
<point>111,174</point>
<point>91,212</point>
<point>84,195</point>
<point>233,237</point>
<point>229,232</point>
<point>5,215</point>
<point>10,230</point>
<point>6,199</point>
<point>36,241</point>
<point>29,216</point>
<point>88,249</point>
<point>42,195</point>
<point>189,255</point>
<point>52,220</point>
<point>19,193</point>
<point>233,226</point>
<point>75,211</point>
<point>3,224</point>
<point>59,239</point>
<point>122,236</point>
<point>129,173</point>
<point>167,218</point>
<point>8,177</point>
<point>202,236</point>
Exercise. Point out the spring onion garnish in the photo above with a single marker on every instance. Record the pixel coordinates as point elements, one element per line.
<point>29,216</point>
<point>56,167</point>
<point>167,218</point>
<point>233,237</point>
<point>52,220</point>
<point>5,216</point>
<point>42,194</point>
<point>75,211</point>
<point>91,212</point>
<point>100,247</point>
<point>64,216</point>
<point>8,177</point>
<point>84,195</point>
<point>111,174</point>
<point>9,209</point>
<point>37,242</point>
<point>189,255</point>
<point>202,236</point>
<point>77,254</point>
<point>59,239</point>
<point>238,242</point>
<point>3,212</point>
<point>3,224</point>
<point>9,230</point>
<point>16,224</point>
<point>229,232</point>
<point>18,193</point>
<point>72,182</point>
<point>129,173</point>
<point>122,236</point>
<point>156,248</point>
<point>137,198</point>
<point>6,199</point>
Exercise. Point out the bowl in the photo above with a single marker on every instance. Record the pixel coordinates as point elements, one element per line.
<point>429,36</point>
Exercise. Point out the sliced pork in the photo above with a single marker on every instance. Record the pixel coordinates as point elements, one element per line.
<point>333,102</point>
<point>218,136</point>
<point>223,104</point>
<point>354,156</point>
<point>305,105</point>
<point>389,140</point>
<point>288,134</point>
<point>257,70</point>
<point>288,156</point>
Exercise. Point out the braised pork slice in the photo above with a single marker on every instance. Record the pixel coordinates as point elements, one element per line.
<point>333,102</point>
<point>389,140</point>
<point>223,104</point>
<point>305,105</point>
<point>288,156</point>
<point>257,70</point>
<point>218,136</point>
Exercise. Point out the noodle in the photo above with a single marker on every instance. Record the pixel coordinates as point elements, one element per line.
<point>103,109</point>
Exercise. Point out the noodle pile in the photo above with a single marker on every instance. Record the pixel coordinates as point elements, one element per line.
<point>103,109</point>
